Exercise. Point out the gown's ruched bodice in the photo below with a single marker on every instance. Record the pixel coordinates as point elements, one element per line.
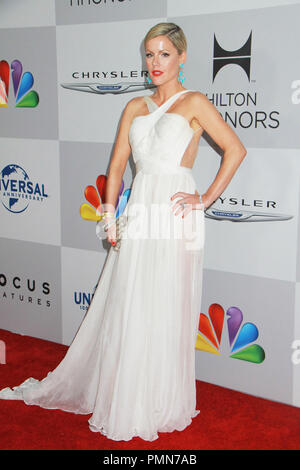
<point>159,141</point>
<point>160,137</point>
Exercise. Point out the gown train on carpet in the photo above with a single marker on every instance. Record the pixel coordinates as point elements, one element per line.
<point>132,361</point>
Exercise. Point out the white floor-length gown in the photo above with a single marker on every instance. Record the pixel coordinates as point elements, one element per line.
<point>132,361</point>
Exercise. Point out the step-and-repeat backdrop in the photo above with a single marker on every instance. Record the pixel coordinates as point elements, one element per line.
<point>67,70</point>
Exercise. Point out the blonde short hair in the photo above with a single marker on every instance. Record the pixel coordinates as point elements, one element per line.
<point>172,31</point>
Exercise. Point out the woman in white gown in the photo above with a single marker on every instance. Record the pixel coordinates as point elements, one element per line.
<point>132,361</point>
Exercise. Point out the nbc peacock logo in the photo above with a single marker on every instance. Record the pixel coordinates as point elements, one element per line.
<point>22,84</point>
<point>241,336</point>
<point>96,197</point>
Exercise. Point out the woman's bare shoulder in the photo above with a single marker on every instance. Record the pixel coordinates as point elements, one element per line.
<point>133,105</point>
<point>199,104</point>
<point>130,111</point>
<point>197,96</point>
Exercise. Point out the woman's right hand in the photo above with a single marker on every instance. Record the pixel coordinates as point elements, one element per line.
<point>111,231</point>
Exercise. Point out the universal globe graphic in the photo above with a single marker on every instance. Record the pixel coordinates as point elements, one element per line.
<point>13,185</point>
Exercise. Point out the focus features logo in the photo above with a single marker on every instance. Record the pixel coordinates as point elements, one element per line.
<point>17,289</point>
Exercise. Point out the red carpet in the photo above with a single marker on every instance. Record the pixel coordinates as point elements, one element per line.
<point>228,419</point>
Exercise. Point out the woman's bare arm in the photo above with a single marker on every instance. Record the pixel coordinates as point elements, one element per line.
<point>120,157</point>
<point>234,151</point>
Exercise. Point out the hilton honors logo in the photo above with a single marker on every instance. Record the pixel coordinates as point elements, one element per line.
<point>239,57</point>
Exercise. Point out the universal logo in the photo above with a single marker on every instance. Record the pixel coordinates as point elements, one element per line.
<point>17,190</point>
<point>84,299</point>
<point>240,57</point>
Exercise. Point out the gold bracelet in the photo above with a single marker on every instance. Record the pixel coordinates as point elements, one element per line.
<point>108,214</point>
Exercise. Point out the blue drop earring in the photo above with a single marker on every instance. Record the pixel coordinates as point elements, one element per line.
<point>149,80</point>
<point>181,77</point>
